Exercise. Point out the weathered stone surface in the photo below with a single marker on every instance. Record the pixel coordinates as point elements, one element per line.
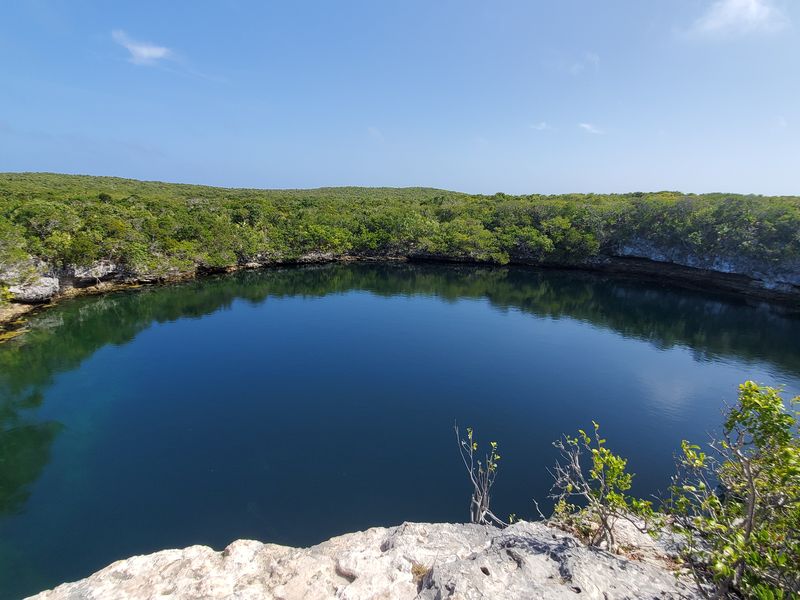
<point>95,273</point>
<point>414,560</point>
<point>34,281</point>
<point>35,290</point>
<point>30,281</point>
<point>779,277</point>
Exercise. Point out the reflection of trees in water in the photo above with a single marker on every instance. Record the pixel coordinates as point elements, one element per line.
<point>24,450</point>
<point>61,338</point>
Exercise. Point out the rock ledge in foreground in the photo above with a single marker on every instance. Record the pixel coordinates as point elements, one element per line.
<point>414,560</point>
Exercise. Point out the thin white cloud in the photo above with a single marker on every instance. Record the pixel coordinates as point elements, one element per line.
<point>577,68</point>
<point>375,133</point>
<point>141,53</point>
<point>725,17</point>
<point>541,126</point>
<point>589,128</point>
<point>588,60</point>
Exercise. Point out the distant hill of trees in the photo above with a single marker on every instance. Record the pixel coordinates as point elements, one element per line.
<point>158,228</point>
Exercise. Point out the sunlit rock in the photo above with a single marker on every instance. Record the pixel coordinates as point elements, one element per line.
<point>413,560</point>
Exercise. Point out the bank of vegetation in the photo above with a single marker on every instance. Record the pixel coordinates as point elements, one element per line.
<point>733,503</point>
<point>155,230</point>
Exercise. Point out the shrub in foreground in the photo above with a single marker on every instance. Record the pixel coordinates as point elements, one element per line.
<point>590,489</point>
<point>739,505</point>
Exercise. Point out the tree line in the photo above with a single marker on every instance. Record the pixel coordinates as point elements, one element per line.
<point>155,229</point>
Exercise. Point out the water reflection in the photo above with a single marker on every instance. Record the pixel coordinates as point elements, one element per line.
<point>159,433</point>
<point>61,338</point>
<point>24,449</point>
<point>712,327</point>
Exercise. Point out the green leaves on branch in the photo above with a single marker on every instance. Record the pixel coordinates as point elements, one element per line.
<point>482,473</point>
<point>590,489</point>
<point>739,505</point>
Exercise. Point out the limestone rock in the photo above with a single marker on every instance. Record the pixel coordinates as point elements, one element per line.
<point>100,271</point>
<point>413,560</point>
<point>30,281</point>
<point>35,289</point>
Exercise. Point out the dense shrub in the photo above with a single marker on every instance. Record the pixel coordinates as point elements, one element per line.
<point>739,505</point>
<point>736,509</point>
<point>590,489</point>
<point>158,227</point>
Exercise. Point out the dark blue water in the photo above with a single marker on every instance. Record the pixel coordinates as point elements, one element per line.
<point>293,405</point>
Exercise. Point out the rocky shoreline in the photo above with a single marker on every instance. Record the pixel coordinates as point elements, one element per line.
<point>41,285</point>
<point>414,560</point>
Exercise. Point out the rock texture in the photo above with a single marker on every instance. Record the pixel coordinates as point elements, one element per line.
<point>413,560</point>
<point>30,282</point>
<point>35,282</point>
<point>780,278</point>
<point>36,290</point>
<point>103,270</point>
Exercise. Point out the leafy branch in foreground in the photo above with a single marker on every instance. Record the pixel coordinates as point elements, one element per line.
<point>598,488</point>
<point>482,474</point>
<point>739,507</point>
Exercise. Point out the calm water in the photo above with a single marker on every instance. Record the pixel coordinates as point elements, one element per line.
<point>293,405</point>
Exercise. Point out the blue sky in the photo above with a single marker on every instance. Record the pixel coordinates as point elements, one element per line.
<point>512,96</point>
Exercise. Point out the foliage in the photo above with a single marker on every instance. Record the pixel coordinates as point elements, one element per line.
<point>12,257</point>
<point>598,486</point>
<point>12,243</point>
<point>156,228</point>
<point>739,506</point>
<point>482,474</point>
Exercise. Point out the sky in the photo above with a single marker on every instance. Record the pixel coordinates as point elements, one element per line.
<point>502,96</point>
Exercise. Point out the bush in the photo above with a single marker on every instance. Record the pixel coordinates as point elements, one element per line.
<point>482,473</point>
<point>591,495</point>
<point>739,507</point>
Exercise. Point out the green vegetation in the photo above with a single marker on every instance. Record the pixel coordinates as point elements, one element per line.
<point>737,509</point>
<point>600,488</point>
<point>482,473</point>
<point>156,228</point>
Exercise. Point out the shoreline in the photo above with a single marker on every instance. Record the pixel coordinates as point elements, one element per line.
<point>733,285</point>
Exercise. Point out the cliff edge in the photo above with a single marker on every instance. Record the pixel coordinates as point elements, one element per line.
<point>413,560</point>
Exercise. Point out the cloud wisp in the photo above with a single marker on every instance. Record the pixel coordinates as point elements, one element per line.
<point>541,126</point>
<point>375,134</point>
<point>730,17</point>
<point>141,53</point>
<point>589,128</point>
<point>589,60</point>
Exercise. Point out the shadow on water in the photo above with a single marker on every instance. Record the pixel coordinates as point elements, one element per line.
<point>60,339</point>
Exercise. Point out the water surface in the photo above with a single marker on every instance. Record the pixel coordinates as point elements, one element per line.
<point>292,405</point>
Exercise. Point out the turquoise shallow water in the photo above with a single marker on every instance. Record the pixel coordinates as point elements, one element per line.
<point>292,405</point>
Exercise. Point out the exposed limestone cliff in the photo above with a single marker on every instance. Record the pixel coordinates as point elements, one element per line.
<point>780,282</point>
<point>413,560</point>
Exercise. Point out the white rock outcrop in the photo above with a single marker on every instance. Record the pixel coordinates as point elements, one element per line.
<point>413,560</point>
<point>95,273</point>
<point>35,290</point>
